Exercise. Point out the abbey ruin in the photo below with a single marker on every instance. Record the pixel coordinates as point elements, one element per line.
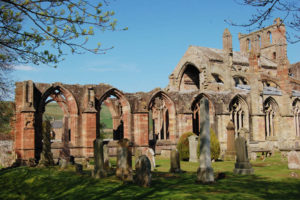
<point>256,88</point>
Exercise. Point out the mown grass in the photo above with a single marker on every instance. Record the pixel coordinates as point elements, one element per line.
<point>271,181</point>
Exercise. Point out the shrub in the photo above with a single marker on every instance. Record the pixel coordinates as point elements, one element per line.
<point>214,146</point>
<point>183,146</point>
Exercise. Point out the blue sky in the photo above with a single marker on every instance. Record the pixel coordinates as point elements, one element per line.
<point>159,32</point>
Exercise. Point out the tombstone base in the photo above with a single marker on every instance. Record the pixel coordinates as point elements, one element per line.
<point>193,160</point>
<point>99,174</point>
<point>243,171</point>
<point>243,168</point>
<point>205,175</point>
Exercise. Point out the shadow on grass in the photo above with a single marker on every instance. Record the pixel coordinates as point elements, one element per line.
<point>41,183</point>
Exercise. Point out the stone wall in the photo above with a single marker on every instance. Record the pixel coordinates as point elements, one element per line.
<point>7,156</point>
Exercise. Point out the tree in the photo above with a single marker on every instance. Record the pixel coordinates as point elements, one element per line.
<point>287,10</point>
<point>43,31</point>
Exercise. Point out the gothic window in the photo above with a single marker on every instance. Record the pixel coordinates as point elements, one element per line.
<point>217,78</point>
<point>190,78</point>
<point>270,110</point>
<point>239,113</point>
<point>296,111</point>
<point>160,118</point>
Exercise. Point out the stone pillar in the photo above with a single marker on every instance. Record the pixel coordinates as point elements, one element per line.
<point>230,152</point>
<point>193,145</point>
<point>99,170</point>
<point>205,173</point>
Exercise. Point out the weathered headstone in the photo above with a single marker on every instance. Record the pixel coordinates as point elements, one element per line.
<point>107,165</point>
<point>253,156</point>
<point>175,161</point>
<point>78,168</point>
<point>143,171</point>
<point>205,173</point>
<point>99,170</point>
<point>151,155</point>
<point>124,160</point>
<point>63,163</point>
<point>293,160</point>
<point>193,144</point>
<point>242,165</point>
<point>230,151</point>
<point>46,158</point>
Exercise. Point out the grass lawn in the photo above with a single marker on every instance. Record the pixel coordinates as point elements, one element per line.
<point>272,180</point>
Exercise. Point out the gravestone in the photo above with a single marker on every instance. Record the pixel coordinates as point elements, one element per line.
<point>253,156</point>
<point>193,145</point>
<point>151,155</point>
<point>293,160</point>
<point>205,173</point>
<point>242,165</point>
<point>63,163</point>
<point>230,151</point>
<point>99,170</point>
<point>46,158</point>
<point>143,171</point>
<point>175,162</point>
<point>124,160</point>
<point>78,168</point>
<point>107,164</point>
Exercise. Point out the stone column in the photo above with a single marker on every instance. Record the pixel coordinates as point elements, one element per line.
<point>205,172</point>
<point>230,152</point>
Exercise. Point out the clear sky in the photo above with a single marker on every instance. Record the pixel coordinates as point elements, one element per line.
<point>159,33</point>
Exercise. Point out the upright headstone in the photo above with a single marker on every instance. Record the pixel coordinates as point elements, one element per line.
<point>143,171</point>
<point>124,160</point>
<point>205,173</point>
<point>230,152</point>
<point>175,162</point>
<point>151,155</point>
<point>293,160</point>
<point>46,155</point>
<point>242,165</point>
<point>107,165</point>
<point>193,144</point>
<point>99,170</point>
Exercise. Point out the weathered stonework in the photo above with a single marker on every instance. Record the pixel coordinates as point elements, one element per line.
<point>253,88</point>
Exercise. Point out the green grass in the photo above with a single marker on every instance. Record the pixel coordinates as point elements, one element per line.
<point>271,181</point>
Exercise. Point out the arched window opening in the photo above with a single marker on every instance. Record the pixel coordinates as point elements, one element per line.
<point>270,110</point>
<point>239,113</point>
<point>159,119</point>
<point>110,124</point>
<point>259,40</point>
<point>274,55</point>
<point>269,37</point>
<point>190,78</point>
<point>217,78</point>
<point>248,44</point>
<point>296,111</point>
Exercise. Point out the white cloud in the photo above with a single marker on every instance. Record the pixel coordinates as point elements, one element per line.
<point>24,68</point>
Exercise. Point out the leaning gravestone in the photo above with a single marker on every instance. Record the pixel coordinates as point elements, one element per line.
<point>99,170</point>
<point>143,171</point>
<point>193,144</point>
<point>124,160</point>
<point>205,173</point>
<point>175,162</point>
<point>293,160</point>
<point>242,165</point>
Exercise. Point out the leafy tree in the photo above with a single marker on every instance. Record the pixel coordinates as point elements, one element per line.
<point>63,25</point>
<point>287,10</point>
<point>6,113</point>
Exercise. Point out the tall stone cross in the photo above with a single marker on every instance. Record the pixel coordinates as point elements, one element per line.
<point>205,173</point>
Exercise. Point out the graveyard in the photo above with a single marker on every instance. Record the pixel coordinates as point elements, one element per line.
<point>272,180</point>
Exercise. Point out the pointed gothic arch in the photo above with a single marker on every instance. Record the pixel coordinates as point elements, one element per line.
<point>121,113</point>
<point>271,110</point>
<point>162,115</point>
<point>239,113</point>
<point>189,77</point>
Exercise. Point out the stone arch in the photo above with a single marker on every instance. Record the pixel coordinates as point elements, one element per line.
<point>270,82</point>
<point>240,80</point>
<point>67,102</point>
<point>122,122</point>
<point>195,107</point>
<point>162,112</point>
<point>189,77</point>
<point>296,113</point>
<point>239,113</point>
<point>272,115</point>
